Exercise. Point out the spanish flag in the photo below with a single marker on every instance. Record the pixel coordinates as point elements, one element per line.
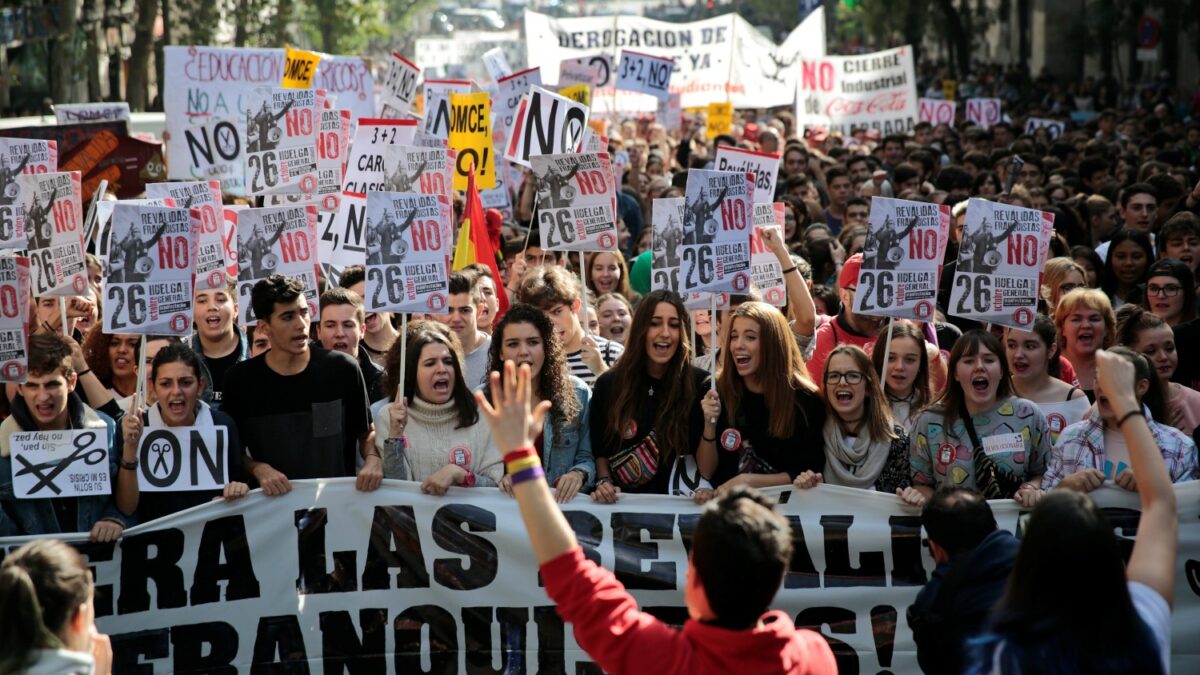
<point>474,244</point>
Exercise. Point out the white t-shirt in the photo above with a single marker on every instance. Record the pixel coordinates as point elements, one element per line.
<point>1155,611</point>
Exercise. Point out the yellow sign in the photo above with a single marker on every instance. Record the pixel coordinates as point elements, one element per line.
<point>720,119</point>
<point>300,68</point>
<point>471,137</point>
<point>949,89</point>
<point>580,93</point>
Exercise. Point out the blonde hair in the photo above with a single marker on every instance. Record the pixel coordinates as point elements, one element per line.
<point>1089,298</point>
<point>1056,270</point>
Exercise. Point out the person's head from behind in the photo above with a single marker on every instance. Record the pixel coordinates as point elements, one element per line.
<point>278,301</point>
<point>45,603</point>
<point>342,323</point>
<point>555,291</point>
<point>50,380</point>
<point>956,519</point>
<point>740,552</point>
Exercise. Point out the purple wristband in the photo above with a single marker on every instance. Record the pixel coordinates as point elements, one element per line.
<point>531,473</point>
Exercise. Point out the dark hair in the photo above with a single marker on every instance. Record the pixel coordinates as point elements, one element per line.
<point>904,172</point>
<point>741,549</point>
<point>1108,278</point>
<point>271,291</point>
<point>420,334</point>
<point>1155,397</point>
<point>1088,253</point>
<point>1043,328</point>
<point>461,283</point>
<point>957,519</point>
<point>922,386</point>
<point>835,172</point>
<point>340,295</point>
<point>177,352</point>
<point>827,295</point>
<point>981,178</point>
<point>352,275</point>
<point>1129,191</point>
<point>1169,267</point>
<point>42,585</point>
<point>554,380</point>
<point>953,400</point>
<point>49,352</point>
<point>1181,224</point>
<point>858,201</point>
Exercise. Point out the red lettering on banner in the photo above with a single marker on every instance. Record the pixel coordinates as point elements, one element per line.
<point>887,102</point>
<point>433,183</point>
<point>299,122</point>
<point>329,145</point>
<point>590,182</point>
<point>64,216</point>
<point>922,245</point>
<point>1022,250</point>
<point>817,75</point>
<point>733,214</point>
<point>173,253</point>
<point>208,220</point>
<point>756,244</point>
<point>294,246</point>
<point>426,235</point>
<point>9,306</point>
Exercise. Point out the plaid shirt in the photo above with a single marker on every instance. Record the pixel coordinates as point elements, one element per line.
<point>1081,446</point>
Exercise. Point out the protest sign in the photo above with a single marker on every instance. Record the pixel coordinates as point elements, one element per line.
<point>104,211</point>
<point>333,144</point>
<point>408,247</point>
<point>349,80</point>
<point>983,111</point>
<point>68,113</point>
<point>172,459</point>
<point>497,198</point>
<point>214,247</point>
<point>51,216</point>
<point>299,68</point>
<point>717,218</point>
<point>20,156</point>
<point>936,111</point>
<point>1002,251</point>
<point>471,139</point>
<point>578,71</point>
<point>645,74</point>
<point>764,166</point>
<point>14,312</point>
<point>902,257</point>
<point>396,577</point>
<point>576,202</point>
<point>399,86</point>
<point>1054,128</point>
<point>281,141</point>
<point>496,63</point>
<point>580,93</point>
<point>666,221</point>
<point>670,113</point>
<point>426,171</point>
<point>277,240</point>
<point>148,288</point>
<point>230,214</point>
<point>437,104</point>
<point>870,91</point>
<point>718,119</point>
<point>545,124</point>
<point>509,91</point>
<point>70,463</point>
<point>765,271</point>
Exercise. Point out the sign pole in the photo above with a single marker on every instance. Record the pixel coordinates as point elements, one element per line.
<point>89,223</point>
<point>140,394</point>
<point>583,292</point>
<point>887,352</point>
<point>403,356</point>
<point>62,311</point>
<point>712,327</point>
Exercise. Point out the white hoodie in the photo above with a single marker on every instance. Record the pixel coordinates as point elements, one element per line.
<point>61,662</point>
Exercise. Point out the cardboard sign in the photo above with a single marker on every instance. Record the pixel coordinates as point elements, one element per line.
<point>409,244</point>
<point>1054,128</point>
<point>717,219</point>
<point>601,63</point>
<point>576,202</point>
<point>50,214</point>
<point>214,251</point>
<point>670,113</point>
<point>765,271</point>
<point>14,311</point>
<point>104,211</point>
<point>299,69</point>
<point>902,257</point>
<point>875,91</point>
<point>281,141</point>
<point>333,147</point>
<point>69,113</point>
<point>471,139</point>
<point>423,170</point>
<point>348,80</point>
<point>983,111</point>
<point>148,288</point>
<point>174,459</point>
<point>719,119</point>
<point>645,74</point>
<point>580,93</point>
<point>666,237</point>
<point>936,111</point>
<point>571,72</point>
<point>546,124</point>
<point>399,87</point>
<point>20,156</point>
<point>276,240</point>
<point>496,63</point>
<point>437,104</point>
<point>764,166</point>
<point>50,464</point>
<point>509,91</point>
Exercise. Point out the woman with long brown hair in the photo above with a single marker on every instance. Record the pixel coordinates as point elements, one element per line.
<point>907,374</point>
<point>607,272</point>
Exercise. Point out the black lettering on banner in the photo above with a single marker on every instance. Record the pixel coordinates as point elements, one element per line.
<point>138,569</point>
<point>801,573</point>
<point>7,223</point>
<point>687,529</point>
<point>1125,522</point>
<point>551,137</point>
<point>161,442</point>
<point>279,635</point>
<point>589,532</point>
<point>214,460</point>
<point>387,281</point>
<point>477,629</point>
<point>907,567</point>
<point>980,292</point>
<point>881,287</point>
<point>135,296</point>
<point>550,635</point>
<point>130,648</point>
<point>557,222</point>
<point>841,621</point>
<point>102,596</point>
<point>883,630</point>
<point>341,648</point>
<point>630,550</point>
<point>264,169</point>
<point>839,572</point>
<point>44,268</point>
<point>209,647</point>
<point>698,258</point>
<point>310,544</point>
<point>443,640</point>
<point>225,133</point>
<point>394,543</point>
<point>448,533</point>
<point>224,538</point>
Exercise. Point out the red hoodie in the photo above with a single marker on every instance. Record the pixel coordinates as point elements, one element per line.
<point>622,639</point>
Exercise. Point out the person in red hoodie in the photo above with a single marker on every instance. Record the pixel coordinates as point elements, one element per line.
<point>740,551</point>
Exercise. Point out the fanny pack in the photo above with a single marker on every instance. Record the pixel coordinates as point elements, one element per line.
<point>635,466</point>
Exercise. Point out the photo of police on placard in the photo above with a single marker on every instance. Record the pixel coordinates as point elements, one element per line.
<point>980,251</point>
<point>256,256</point>
<point>8,177</point>
<point>263,130</point>
<point>883,249</point>
<point>129,256</point>
<point>702,215</point>
<point>554,189</point>
<point>387,222</point>
<point>401,180</point>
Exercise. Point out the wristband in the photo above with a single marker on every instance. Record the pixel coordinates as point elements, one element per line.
<point>788,271</point>
<point>132,466</point>
<point>519,453</point>
<point>82,373</point>
<point>468,480</point>
<point>532,473</point>
<point>602,480</point>
<point>1126,416</point>
<point>522,464</point>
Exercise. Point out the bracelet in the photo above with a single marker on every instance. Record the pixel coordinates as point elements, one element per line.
<point>789,270</point>
<point>522,464</point>
<point>1131,413</point>
<point>468,480</point>
<point>706,439</point>
<point>520,453</point>
<point>602,480</point>
<point>82,373</point>
<point>132,466</point>
<point>532,473</point>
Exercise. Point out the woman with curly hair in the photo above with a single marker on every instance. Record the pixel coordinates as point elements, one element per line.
<point>114,359</point>
<point>526,336</point>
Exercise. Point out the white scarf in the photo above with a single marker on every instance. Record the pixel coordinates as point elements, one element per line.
<point>858,466</point>
<point>204,418</point>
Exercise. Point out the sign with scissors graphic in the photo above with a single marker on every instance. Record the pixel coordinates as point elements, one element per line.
<point>71,463</point>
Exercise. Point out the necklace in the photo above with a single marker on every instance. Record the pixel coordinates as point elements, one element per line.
<point>651,390</point>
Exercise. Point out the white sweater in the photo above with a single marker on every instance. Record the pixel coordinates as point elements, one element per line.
<point>431,436</point>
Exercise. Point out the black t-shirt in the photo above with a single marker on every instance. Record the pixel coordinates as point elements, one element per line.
<point>636,434</point>
<point>803,450</point>
<point>217,367</point>
<point>304,425</point>
<point>1187,372</point>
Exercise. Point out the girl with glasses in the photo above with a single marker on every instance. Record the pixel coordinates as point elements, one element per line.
<point>1037,372</point>
<point>1171,292</point>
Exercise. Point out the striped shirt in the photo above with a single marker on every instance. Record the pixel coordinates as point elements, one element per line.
<point>610,351</point>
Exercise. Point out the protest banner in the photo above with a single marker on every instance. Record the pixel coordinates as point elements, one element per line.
<point>409,242</point>
<point>104,211</point>
<point>902,258</point>
<point>765,271</point>
<point>496,63</point>
<point>717,218</point>
<point>580,93</point>
<point>645,74</point>
<point>20,156</point>
<point>1003,249</point>
<point>764,166</point>
<point>68,113</point>
<point>281,141</point>
<point>426,171</point>
<point>870,91</point>
<point>1054,128</point>
<point>69,463</point>
<point>299,68</point>
<point>148,288</point>
<point>670,113</point>
<point>984,111</point>
<point>718,120</point>
<point>333,144</point>
<point>399,87</point>
<point>509,90</point>
<point>349,80</point>
<point>576,202</point>
<point>936,111</point>
<point>51,216</point>
<point>666,240</point>
<point>276,240</point>
<point>173,459</point>
<point>215,245</point>
<point>471,139</point>
<point>461,56</point>
<point>545,124</point>
<point>14,313</point>
<point>437,105</point>
<point>579,71</point>
<point>498,198</point>
<point>394,579</point>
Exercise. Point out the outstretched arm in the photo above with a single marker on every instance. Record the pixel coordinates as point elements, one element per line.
<point>412,215</point>
<point>907,230</point>
<point>157,235</point>
<point>275,237</point>
<point>23,164</point>
<point>286,107</point>
<point>1007,232</point>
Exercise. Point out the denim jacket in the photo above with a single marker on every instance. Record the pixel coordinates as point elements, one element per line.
<point>36,516</point>
<point>572,450</point>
